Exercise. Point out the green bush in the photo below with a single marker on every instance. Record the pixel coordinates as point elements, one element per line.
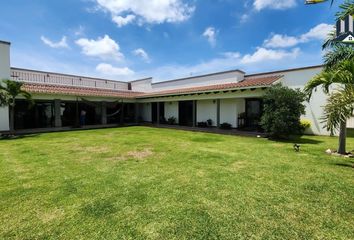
<point>305,124</point>
<point>171,120</point>
<point>283,108</point>
<point>225,125</point>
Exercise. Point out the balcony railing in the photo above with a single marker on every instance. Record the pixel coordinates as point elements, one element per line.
<point>30,76</point>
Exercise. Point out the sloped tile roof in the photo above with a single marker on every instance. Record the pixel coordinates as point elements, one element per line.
<point>77,91</point>
<point>249,82</point>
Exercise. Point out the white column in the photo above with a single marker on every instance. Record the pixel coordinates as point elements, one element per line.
<point>4,74</point>
<point>57,113</point>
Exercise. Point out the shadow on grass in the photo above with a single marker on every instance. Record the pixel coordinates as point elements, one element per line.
<point>348,164</point>
<point>298,140</point>
<point>16,137</point>
<point>350,132</point>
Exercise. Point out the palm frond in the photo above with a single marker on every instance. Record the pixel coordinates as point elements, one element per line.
<point>4,98</point>
<point>338,54</point>
<point>347,8</point>
<point>330,40</point>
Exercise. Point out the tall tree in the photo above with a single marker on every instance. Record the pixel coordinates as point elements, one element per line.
<point>11,90</point>
<point>339,70</point>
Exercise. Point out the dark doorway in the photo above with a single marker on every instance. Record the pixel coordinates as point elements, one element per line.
<point>161,112</point>
<point>114,111</point>
<point>40,115</point>
<point>129,112</point>
<point>185,113</point>
<point>254,111</point>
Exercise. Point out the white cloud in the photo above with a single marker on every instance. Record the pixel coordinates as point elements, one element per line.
<point>231,54</point>
<point>210,34</point>
<point>152,12</point>
<point>122,21</point>
<point>281,41</point>
<point>273,4</point>
<point>141,53</point>
<point>61,44</point>
<point>260,60</point>
<point>104,48</point>
<point>319,32</point>
<point>108,70</point>
<point>263,54</point>
<point>244,17</point>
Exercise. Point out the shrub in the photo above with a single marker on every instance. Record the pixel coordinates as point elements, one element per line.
<point>171,120</point>
<point>283,107</point>
<point>305,124</point>
<point>202,124</point>
<point>209,122</point>
<point>225,125</point>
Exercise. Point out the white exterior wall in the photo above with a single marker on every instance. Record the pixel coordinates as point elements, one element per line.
<point>314,108</point>
<point>206,109</point>
<point>171,110</point>
<point>143,85</point>
<point>350,123</point>
<point>230,109</point>
<point>4,74</point>
<point>211,79</point>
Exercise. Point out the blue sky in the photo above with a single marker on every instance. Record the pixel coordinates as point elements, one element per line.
<point>164,39</point>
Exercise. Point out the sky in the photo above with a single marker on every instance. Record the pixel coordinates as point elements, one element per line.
<point>164,39</point>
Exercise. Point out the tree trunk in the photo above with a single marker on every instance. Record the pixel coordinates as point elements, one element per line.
<point>342,137</point>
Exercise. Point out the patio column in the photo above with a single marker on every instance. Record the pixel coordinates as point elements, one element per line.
<point>103,113</point>
<point>194,112</point>
<point>122,113</point>
<point>57,113</point>
<point>218,113</point>
<point>158,112</point>
<point>136,115</point>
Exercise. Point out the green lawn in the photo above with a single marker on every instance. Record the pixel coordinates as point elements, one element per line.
<point>145,183</point>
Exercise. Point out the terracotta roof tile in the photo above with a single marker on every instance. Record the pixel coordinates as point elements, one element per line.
<point>247,83</point>
<point>77,91</point>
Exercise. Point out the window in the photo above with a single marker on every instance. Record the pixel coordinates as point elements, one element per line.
<point>350,38</point>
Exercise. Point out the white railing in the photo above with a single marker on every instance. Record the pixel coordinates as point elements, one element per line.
<point>31,76</point>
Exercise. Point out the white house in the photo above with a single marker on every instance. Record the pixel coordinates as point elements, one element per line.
<point>233,96</point>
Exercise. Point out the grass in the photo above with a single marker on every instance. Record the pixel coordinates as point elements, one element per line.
<point>145,183</point>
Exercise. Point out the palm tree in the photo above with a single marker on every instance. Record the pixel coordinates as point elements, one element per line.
<point>4,99</point>
<point>340,103</point>
<point>347,9</point>
<point>11,90</point>
<point>339,108</point>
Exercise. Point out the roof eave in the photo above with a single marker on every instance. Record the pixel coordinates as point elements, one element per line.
<point>206,91</point>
